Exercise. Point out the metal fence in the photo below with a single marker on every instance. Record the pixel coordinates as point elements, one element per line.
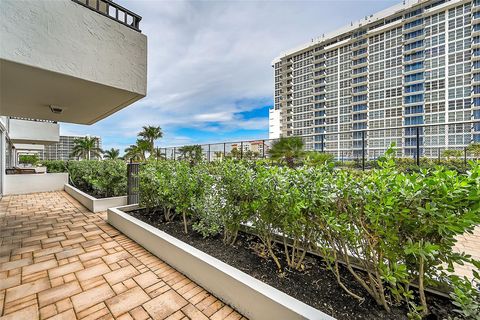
<point>114,11</point>
<point>356,147</point>
<point>361,146</point>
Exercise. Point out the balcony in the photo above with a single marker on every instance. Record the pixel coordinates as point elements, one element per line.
<point>87,62</point>
<point>475,30</point>
<point>26,131</point>
<point>114,11</point>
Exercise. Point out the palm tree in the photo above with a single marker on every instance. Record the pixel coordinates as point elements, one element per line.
<point>193,154</point>
<point>218,155</point>
<point>287,149</point>
<point>133,153</point>
<point>315,158</point>
<point>86,148</point>
<point>150,134</point>
<point>111,154</point>
<point>157,154</point>
<point>145,146</point>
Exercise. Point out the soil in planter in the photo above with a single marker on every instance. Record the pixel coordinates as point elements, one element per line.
<point>92,192</point>
<point>315,285</point>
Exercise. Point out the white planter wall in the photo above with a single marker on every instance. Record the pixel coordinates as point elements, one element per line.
<point>30,183</point>
<point>94,204</point>
<point>251,297</point>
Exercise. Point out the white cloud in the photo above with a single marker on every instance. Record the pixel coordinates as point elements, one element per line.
<point>210,60</point>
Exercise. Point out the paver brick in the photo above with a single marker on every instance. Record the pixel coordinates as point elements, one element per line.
<point>60,261</point>
<point>15,264</point>
<point>65,269</point>
<point>165,304</point>
<point>58,293</point>
<point>91,297</point>
<point>28,313</point>
<point>127,301</point>
<point>146,279</point>
<point>91,272</point>
<point>26,289</point>
<point>114,277</point>
<point>40,266</point>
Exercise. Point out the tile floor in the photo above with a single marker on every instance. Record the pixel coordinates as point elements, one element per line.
<point>60,261</point>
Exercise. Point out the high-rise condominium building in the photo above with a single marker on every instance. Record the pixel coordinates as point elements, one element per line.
<point>417,63</point>
<point>63,149</point>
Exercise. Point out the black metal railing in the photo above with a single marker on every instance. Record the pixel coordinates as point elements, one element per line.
<point>31,119</point>
<point>113,11</point>
<point>428,141</point>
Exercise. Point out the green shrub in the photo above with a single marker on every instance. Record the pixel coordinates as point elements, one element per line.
<point>315,158</point>
<point>54,166</point>
<point>185,189</point>
<point>31,159</point>
<point>106,178</point>
<point>207,202</point>
<point>238,191</point>
<point>399,226</point>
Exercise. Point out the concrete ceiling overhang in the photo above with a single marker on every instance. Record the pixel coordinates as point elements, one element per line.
<point>28,92</point>
<point>29,147</point>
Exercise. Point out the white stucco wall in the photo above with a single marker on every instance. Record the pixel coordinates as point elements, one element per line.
<point>94,204</point>
<point>274,124</point>
<point>30,183</point>
<point>26,132</point>
<point>65,37</point>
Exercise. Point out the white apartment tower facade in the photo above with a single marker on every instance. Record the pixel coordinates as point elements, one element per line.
<point>417,63</point>
<point>64,148</point>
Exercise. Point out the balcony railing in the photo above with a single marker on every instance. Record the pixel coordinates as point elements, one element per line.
<point>36,120</point>
<point>113,11</point>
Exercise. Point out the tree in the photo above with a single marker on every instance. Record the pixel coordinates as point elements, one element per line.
<point>250,155</point>
<point>218,155</point>
<point>452,153</point>
<point>144,146</point>
<point>315,158</point>
<point>287,149</point>
<point>111,154</point>
<point>193,154</point>
<point>134,153</point>
<point>157,154</point>
<point>86,148</point>
<point>235,153</point>
<point>150,134</point>
<point>474,148</point>
<point>31,159</point>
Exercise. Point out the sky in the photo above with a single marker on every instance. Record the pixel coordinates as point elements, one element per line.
<point>210,77</point>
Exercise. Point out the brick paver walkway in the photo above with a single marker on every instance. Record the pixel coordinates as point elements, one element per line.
<point>468,243</point>
<point>60,261</point>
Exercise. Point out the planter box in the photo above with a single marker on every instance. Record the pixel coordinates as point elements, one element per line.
<point>251,297</point>
<point>94,204</point>
<point>31,183</point>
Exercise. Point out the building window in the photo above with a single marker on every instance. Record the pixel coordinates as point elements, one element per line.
<point>414,88</point>
<point>359,107</point>
<point>414,66</point>
<point>414,77</point>
<point>413,45</point>
<point>413,109</point>
<point>413,120</point>
<point>413,24</point>
<point>414,98</point>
